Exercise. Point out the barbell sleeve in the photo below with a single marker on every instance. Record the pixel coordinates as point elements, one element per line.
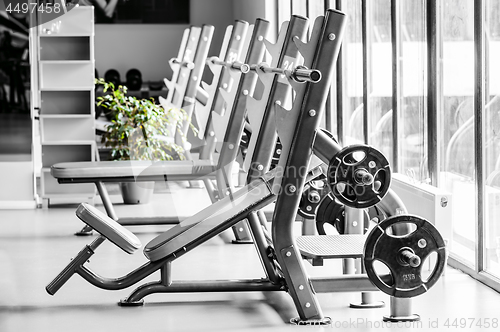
<point>410,258</point>
<point>314,197</point>
<point>187,64</point>
<point>364,177</point>
<point>303,74</point>
<point>243,67</point>
<point>299,74</point>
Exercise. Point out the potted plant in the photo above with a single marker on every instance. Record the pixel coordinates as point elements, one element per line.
<point>140,130</point>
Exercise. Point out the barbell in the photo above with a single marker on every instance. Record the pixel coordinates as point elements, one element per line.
<point>299,74</point>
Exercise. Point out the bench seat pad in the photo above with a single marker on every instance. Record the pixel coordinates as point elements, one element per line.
<point>210,221</point>
<point>108,228</point>
<point>134,168</point>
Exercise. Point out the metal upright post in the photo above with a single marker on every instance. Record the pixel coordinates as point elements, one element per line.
<point>479,128</point>
<point>354,219</point>
<point>367,75</point>
<point>433,89</point>
<point>234,121</point>
<point>354,224</point>
<point>297,150</point>
<point>396,83</point>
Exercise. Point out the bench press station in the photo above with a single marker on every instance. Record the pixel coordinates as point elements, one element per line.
<point>224,129</point>
<point>304,149</point>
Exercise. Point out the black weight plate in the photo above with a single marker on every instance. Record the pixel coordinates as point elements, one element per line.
<point>112,76</point>
<point>134,79</point>
<point>384,247</point>
<point>343,174</point>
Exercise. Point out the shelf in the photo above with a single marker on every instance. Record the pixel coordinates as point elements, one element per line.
<point>66,91</point>
<point>88,142</point>
<point>66,116</point>
<point>66,103</point>
<point>83,34</point>
<point>63,129</point>
<point>65,48</point>
<point>64,74</point>
<point>67,88</point>
<point>76,22</point>
<point>66,62</point>
<point>55,36</point>
<point>59,152</point>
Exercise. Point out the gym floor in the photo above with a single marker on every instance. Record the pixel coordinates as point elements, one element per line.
<point>36,244</point>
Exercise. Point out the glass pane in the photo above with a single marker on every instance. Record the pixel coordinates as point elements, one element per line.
<point>284,11</point>
<point>413,160</point>
<point>380,65</point>
<point>315,9</point>
<point>353,73</point>
<point>299,7</point>
<point>457,131</point>
<point>492,143</point>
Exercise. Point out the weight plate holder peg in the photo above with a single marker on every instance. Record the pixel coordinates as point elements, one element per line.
<point>312,195</point>
<point>359,176</point>
<point>404,255</point>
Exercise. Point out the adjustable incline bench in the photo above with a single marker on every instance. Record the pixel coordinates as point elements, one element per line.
<point>187,74</point>
<point>182,88</point>
<point>304,149</point>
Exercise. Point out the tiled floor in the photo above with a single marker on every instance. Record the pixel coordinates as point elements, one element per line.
<point>36,244</point>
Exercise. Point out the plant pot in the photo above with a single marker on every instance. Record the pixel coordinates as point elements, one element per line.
<point>136,192</point>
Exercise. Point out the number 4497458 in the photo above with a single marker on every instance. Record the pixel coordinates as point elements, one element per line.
<point>469,323</point>
<point>33,7</point>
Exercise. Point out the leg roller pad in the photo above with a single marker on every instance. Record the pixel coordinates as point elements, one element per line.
<point>108,228</point>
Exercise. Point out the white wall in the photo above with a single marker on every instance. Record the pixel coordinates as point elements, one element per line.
<point>218,13</point>
<point>145,47</point>
<point>250,10</point>
<point>148,47</point>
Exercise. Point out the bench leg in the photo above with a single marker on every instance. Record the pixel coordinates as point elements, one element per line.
<point>85,231</point>
<point>45,203</point>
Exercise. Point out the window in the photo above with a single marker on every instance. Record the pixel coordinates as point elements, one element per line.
<point>392,59</point>
<point>492,140</point>
<point>352,77</point>
<point>379,64</point>
<point>457,127</point>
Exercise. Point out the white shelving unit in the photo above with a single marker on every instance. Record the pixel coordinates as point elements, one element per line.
<point>66,69</point>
